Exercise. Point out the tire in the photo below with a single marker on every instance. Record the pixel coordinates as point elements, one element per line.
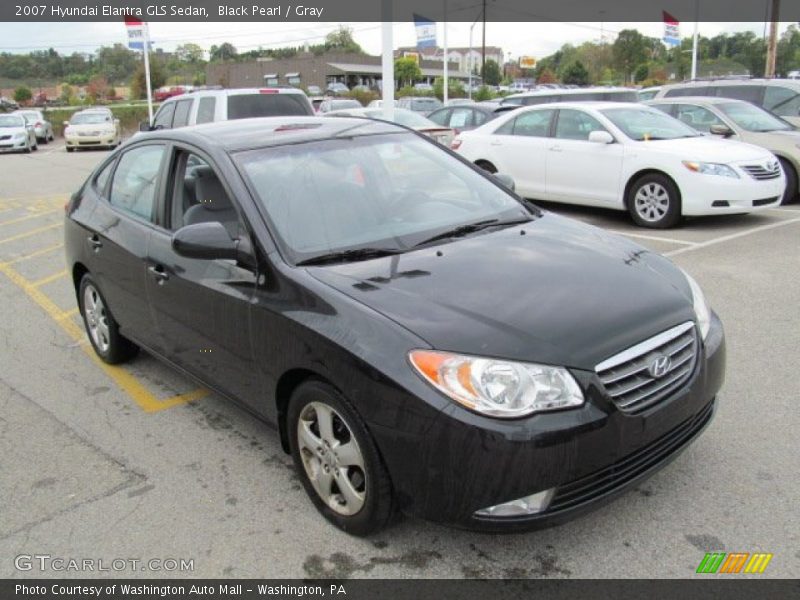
<point>368,506</point>
<point>654,201</point>
<point>486,166</point>
<point>70,149</point>
<point>790,195</point>
<point>28,148</point>
<point>36,146</point>
<point>103,331</point>
<point>45,140</point>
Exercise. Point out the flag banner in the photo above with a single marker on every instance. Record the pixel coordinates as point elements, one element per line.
<point>672,30</point>
<point>426,32</point>
<point>135,29</point>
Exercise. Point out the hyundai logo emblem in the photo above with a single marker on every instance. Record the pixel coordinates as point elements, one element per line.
<point>659,366</point>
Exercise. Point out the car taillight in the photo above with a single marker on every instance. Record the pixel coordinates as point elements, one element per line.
<point>38,124</point>
<point>268,91</point>
<point>455,144</point>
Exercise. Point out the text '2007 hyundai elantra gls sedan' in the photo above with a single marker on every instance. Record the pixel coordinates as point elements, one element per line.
<point>425,341</point>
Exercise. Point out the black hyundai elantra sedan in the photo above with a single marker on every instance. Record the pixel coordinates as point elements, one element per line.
<point>424,340</point>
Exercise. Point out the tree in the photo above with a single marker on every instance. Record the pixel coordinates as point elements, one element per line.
<point>97,89</point>
<point>116,63</point>
<point>22,94</point>
<point>546,76</point>
<point>157,78</point>
<point>576,74</point>
<point>642,71</point>
<point>190,53</point>
<point>342,39</point>
<point>225,51</point>
<point>455,89</point>
<point>630,50</point>
<point>483,94</point>
<point>491,72</point>
<point>406,70</point>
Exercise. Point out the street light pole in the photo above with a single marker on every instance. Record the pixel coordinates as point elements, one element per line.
<point>471,56</point>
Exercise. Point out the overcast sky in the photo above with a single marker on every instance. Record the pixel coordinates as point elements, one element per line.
<point>536,39</point>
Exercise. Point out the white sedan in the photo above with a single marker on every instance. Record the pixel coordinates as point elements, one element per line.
<point>626,157</point>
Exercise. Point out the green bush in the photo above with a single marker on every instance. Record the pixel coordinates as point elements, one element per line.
<point>483,94</point>
<point>363,96</point>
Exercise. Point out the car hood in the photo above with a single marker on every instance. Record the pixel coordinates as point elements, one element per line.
<point>778,140</point>
<point>563,293</point>
<point>92,127</point>
<point>710,149</point>
<point>12,130</point>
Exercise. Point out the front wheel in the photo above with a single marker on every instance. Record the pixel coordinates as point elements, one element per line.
<point>111,346</point>
<point>337,460</point>
<point>654,201</point>
<point>791,181</point>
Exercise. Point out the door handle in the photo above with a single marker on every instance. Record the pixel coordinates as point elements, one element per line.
<point>495,143</point>
<point>158,273</point>
<point>556,148</point>
<point>94,242</point>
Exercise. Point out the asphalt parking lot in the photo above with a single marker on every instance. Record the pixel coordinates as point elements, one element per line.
<point>136,462</point>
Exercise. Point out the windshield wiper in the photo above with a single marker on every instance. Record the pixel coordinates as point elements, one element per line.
<point>349,255</point>
<point>463,230</point>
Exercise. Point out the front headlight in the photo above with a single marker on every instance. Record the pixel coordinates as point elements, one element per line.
<point>701,308</point>
<point>20,136</point>
<point>498,388</point>
<point>710,169</point>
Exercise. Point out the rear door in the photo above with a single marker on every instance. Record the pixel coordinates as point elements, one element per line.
<point>580,171</point>
<point>122,223</point>
<point>519,149</point>
<point>202,307</point>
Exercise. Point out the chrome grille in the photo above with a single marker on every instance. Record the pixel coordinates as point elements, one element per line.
<point>770,170</point>
<point>632,379</point>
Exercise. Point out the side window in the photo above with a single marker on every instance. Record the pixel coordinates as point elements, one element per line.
<point>461,117</point>
<point>576,125</point>
<point>206,109</point>
<point>515,101</point>
<point>533,124</point>
<point>479,118</point>
<point>531,100</point>
<point>782,101</point>
<point>748,93</point>
<point>198,196</point>
<point>697,117</point>
<point>665,108</point>
<point>133,188</point>
<point>101,181</point>
<point>182,111</point>
<point>441,117</point>
<point>163,118</point>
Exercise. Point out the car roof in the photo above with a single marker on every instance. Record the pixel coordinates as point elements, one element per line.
<point>596,104</point>
<point>265,132</point>
<point>695,100</point>
<point>570,91</point>
<point>235,92</point>
<point>793,83</point>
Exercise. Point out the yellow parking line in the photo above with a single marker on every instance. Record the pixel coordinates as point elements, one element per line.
<point>28,217</point>
<point>19,236</point>
<point>34,254</point>
<point>67,314</point>
<point>127,382</point>
<point>49,278</point>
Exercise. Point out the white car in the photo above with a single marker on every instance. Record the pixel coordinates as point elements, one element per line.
<point>16,134</point>
<point>626,157</point>
<point>92,128</point>
<point>41,126</point>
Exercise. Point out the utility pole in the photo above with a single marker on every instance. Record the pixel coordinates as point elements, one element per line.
<point>483,43</point>
<point>772,44</point>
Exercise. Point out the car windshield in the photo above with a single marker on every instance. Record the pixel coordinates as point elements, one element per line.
<point>645,124</point>
<point>425,104</point>
<point>753,118</point>
<point>381,191</point>
<point>90,118</point>
<point>246,106</point>
<point>11,121</point>
<point>406,118</point>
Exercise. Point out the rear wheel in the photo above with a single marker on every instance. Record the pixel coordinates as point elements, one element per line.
<point>70,148</point>
<point>790,195</point>
<point>111,346</point>
<point>653,201</point>
<point>337,460</point>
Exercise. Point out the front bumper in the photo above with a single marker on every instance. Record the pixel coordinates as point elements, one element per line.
<point>87,141</point>
<point>713,195</point>
<point>13,145</point>
<point>590,455</point>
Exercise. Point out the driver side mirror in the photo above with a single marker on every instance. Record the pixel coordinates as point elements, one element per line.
<point>601,137</point>
<point>722,130</point>
<point>506,180</point>
<point>211,241</point>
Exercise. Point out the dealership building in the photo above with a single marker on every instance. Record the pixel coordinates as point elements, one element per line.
<point>307,69</point>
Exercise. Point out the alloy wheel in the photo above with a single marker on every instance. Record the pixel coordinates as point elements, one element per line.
<point>96,318</point>
<point>332,458</point>
<point>651,202</point>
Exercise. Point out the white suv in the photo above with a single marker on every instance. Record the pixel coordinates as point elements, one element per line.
<point>208,106</point>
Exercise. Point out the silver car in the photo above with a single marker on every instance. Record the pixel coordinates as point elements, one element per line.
<point>41,126</point>
<point>740,120</point>
<point>16,134</point>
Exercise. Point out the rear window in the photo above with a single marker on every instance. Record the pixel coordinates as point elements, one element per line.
<point>630,96</point>
<point>748,93</point>
<point>531,100</point>
<point>687,91</point>
<point>425,104</point>
<point>246,106</point>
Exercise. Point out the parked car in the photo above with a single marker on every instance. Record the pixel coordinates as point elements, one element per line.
<point>207,106</point>
<point>366,292</point>
<point>406,118</point>
<point>7,105</point>
<point>41,126</point>
<point>336,89</point>
<point>465,117</point>
<point>739,120</point>
<point>92,128</point>
<point>314,90</point>
<point>648,93</point>
<point>330,104</point>
<point>779,96</point>
<point>625,157</point>
<point>557,94</point>
<point>316,102</point>
<point>16,134</point>
<point>423,87</point>
<point>420,104</point>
